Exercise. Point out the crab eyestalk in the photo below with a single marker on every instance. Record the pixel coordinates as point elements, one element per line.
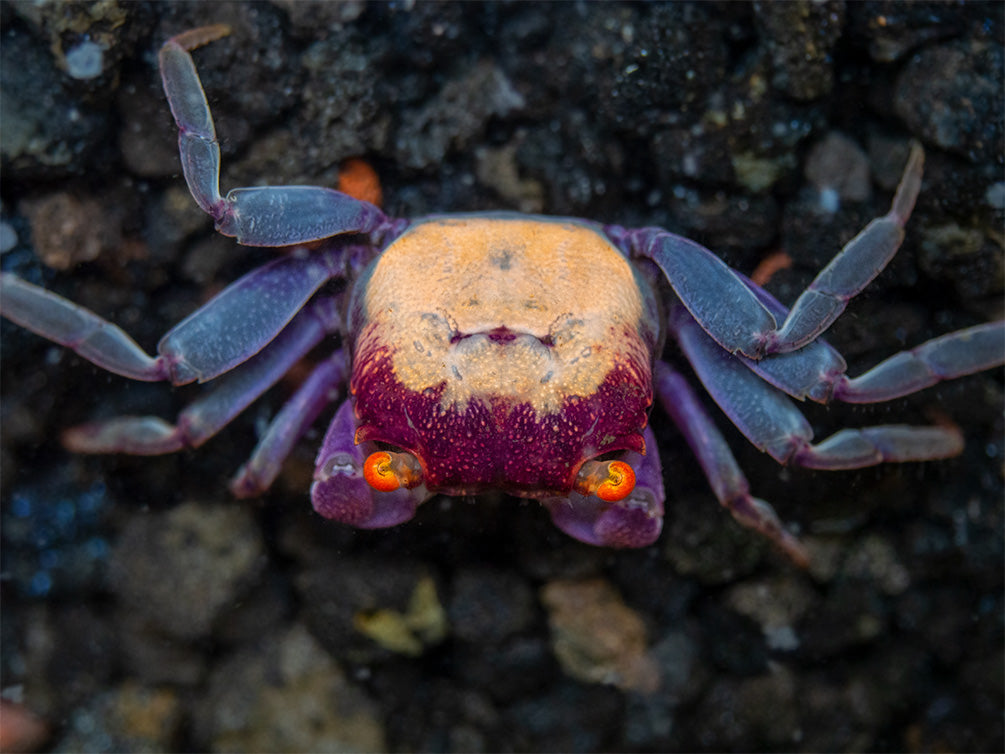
<point>387,471</point>
<point>611,481</point>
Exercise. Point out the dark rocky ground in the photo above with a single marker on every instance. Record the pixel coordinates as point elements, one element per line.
<point>146,610</point>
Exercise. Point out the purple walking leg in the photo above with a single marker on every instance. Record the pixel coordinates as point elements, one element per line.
<point>225,332</point>
<point>288,426</point>
<point>944,358</point>
<point>150,435</point>
<point>817,371</point>
<point>79,329</point>
<point>772,422</point>
<point>265,216</point>
<point>730,312</point>
<point>716,460</point>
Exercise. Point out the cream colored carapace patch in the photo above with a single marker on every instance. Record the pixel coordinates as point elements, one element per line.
<point>566,293</point>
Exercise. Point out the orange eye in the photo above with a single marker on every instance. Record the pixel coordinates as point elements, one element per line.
<point>386,471</point>
<point>611,481</point>
<point>378,472</point>
<point>619,483</point>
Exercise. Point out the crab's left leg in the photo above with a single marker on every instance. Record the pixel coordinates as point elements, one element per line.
<point>771,421</point>
<point>288,426</point>
<point>257,216</point>
<point>731,313</point>
<point>724,475</point>
<point>634,521</point>
<point>150,435</point>
<point>817,371</point>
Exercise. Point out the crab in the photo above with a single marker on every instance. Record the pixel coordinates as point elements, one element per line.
<point>501,352</point>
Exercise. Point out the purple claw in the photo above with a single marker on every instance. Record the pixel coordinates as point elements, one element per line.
<point>635,521</point>
<point>341,493</point>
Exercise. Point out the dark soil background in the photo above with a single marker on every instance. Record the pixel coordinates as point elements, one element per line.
<point>146,610</point>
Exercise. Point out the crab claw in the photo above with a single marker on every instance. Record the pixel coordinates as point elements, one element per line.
<point>342,491</point>
<point>614,503</point>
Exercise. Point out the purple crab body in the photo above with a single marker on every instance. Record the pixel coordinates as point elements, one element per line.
<point>478,347</point>
<point>503,352</point>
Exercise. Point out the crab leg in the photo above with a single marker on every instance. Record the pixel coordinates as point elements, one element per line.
<point>711,291</point>
<point>732,314</point>
<point>773,424</point>
<point>265,216</point>
<point>214,339</point>
<point>288,426</point>
<point>944,358</point>
<point>341,492</point>
<point>150,435</point>
<point>852,269</point>
<point>724,475</point>
<point>244,317</point>
<point>79,329</point>
<point>817,371</point>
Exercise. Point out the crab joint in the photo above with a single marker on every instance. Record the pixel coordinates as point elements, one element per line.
<point>611,481</point>
<point>386,471</point>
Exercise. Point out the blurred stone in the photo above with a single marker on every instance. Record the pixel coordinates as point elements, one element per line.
<point>127,718</point>
<point>67,230</point>
<point>286,695</point>
<point>182,569</point>
<point>487,607</point>
<point>456,116</point>
<point>838,164</point>
<point>596,637</point>
<point>752,713</point>
<point>952,96</point>
<point>777,605</point>
<point>363,609</point>
<point>46,132</point>
<point>801,36</point>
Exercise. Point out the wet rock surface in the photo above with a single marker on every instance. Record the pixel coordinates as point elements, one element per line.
<point>144,609</point>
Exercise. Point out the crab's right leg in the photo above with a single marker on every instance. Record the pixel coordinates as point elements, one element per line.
<point>265,216</point>
<point>79,329</point>
<point>340,490</point>
<point>289,425</point>
<point>228,330</point>
<point>716,460</point>
<point>150,435</point>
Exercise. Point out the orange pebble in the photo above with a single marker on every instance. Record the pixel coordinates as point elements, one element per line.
<point>359,180</point>
<point>768,266</point>
<point>20,729</point>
